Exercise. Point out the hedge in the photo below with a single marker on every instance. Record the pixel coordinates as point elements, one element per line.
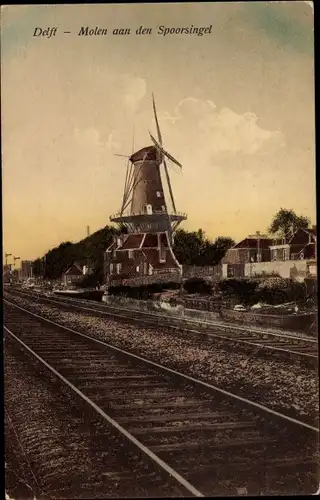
<point>197,285</point>
<point>269,290</point>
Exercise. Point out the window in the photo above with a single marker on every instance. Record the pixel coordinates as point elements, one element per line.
<point>159,194</point>
<point>230,272</point>
<point>119,268</point>
<point>163,208</point>
<point>145,268</point>
<point>138,269</point>
<point>118,241</point>
<point>149,209</point>
<point>111,268</point>
<point>162,254</point>
<point>130,254</point>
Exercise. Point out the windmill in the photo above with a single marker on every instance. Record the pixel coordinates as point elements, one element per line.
<point>144,207</point>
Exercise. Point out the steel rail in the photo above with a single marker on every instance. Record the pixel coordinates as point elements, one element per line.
<point>68,301</point>
<point>211,323</point>
<point>247,402</point>
<point>163,465</point>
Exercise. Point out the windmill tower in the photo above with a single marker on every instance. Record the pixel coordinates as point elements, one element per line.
<point>150,220</point>
<point>144,207</point>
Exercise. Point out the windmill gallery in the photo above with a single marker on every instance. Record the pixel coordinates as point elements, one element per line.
<point>145,252</point>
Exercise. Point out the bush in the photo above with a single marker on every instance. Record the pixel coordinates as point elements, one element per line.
<point>143,292</point>
<point>89,281</point>
<point>280,290</point>
<point>197,285</point>
<point>311,285</point>
<point>242,289</point>
<point>272,290</point>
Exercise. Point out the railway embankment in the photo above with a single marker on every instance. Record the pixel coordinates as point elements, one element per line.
<point>286,388</point>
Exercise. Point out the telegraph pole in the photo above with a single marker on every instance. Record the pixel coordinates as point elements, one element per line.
<point>6,256</point>
<point>258,245</point>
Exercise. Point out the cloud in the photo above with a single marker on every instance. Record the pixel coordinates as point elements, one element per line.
<point>134,90</point>
<point>113,142</point>
<point>89,136</point>
<point>223,131</point>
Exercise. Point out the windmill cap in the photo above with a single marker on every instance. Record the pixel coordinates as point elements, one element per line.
<point>150,153</point>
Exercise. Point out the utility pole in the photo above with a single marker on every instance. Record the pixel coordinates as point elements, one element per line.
<point>6,256</point>
<point>258,245</point>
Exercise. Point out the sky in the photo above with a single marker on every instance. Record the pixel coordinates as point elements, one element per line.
<point>235,106</point>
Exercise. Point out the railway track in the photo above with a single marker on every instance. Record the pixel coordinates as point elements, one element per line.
<point>295,347</point>
<point>205,440</point>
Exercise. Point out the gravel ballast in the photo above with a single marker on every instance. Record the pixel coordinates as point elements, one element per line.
<point>275,383</point>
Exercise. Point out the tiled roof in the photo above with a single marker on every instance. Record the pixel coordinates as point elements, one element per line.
<point>253,243</point>
<point>312,231</point>
<point>74,270</point>
<point>112,247</point>
<point>309,251</point>
<point>133,241</point>
<point>164,239</point>
<point>151,240</point>
<point>152,256</point>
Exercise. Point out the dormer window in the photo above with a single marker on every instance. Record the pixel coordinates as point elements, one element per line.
<point>159,194</point>
<point>149,209</point>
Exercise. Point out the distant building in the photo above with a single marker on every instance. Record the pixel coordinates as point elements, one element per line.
<point>291,257</point>
<point>26,269</point>
<point>253,248</point>
<point>141,258</point>
<point>72,275</point>
<point>6,273</point>
<point>300,245</point>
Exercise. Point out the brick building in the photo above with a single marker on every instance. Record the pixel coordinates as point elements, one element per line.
<point>148,256</point>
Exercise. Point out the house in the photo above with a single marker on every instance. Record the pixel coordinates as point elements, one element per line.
<point>253,248</point>
<point>291,257</point>
<point>73,275</point>
<point>6,274</point>
<point>137,258</point>
<point>301,245</point>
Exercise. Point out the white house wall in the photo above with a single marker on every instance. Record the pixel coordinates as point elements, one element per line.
<point>286,269</point>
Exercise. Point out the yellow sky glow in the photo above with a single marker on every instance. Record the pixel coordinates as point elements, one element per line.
<point>235,107</point>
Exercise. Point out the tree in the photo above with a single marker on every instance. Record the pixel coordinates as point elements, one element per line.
<point>37,267</point>
<point>222,245</point>
<point>192,248</point>
<point>287,221</point>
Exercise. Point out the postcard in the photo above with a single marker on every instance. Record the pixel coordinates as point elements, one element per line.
<point>159,250</point>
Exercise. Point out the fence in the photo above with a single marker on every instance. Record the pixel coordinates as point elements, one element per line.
<point>202,272</point>
<point>211,312</point>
